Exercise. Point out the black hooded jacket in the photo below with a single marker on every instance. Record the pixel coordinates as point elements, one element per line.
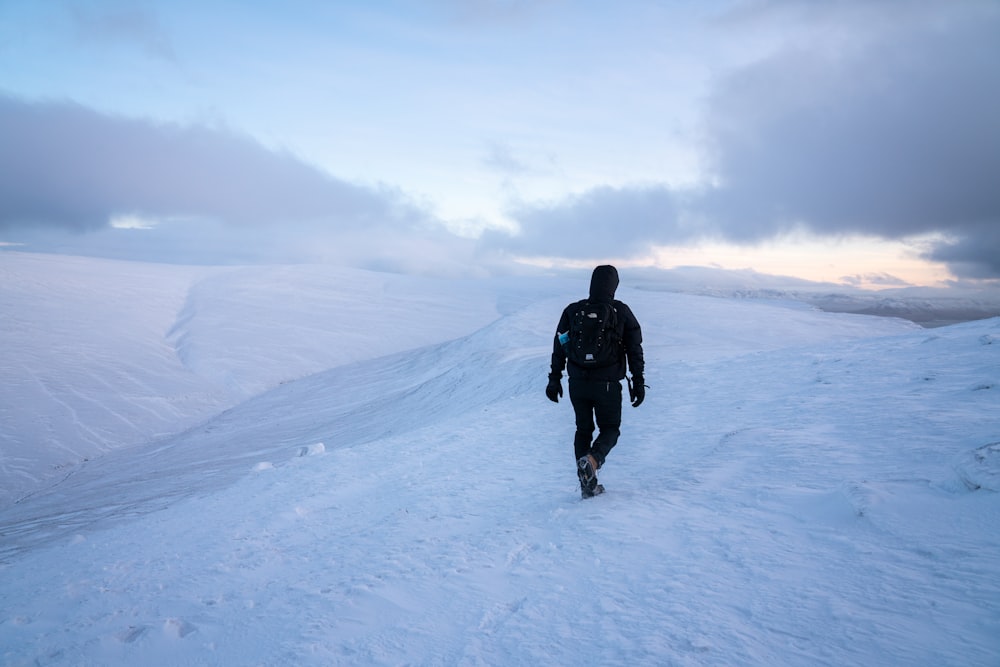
<point>603,284</point>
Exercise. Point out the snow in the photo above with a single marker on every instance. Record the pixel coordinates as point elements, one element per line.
<point>298,465</point>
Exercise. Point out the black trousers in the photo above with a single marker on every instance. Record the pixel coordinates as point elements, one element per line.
<point>598,400</point>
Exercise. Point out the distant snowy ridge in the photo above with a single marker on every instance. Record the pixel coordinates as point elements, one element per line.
<point>929,307</point>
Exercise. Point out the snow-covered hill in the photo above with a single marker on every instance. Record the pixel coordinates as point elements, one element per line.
<point>99,355</point>
<point>300,465</point>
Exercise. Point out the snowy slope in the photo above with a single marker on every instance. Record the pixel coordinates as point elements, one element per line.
<point>99,354</point>
<point>800,488</point>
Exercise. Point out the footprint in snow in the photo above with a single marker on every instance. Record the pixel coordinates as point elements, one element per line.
<point>132,633</point>
<point>499,614</point>
<point>980,468</point>
<point>312,450</point>
<point>178,628</point>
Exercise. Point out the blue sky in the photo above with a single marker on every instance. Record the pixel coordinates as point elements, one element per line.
<point>848,141</point>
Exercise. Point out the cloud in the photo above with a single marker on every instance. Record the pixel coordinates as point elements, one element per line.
<point>131,26</point>
<point>69,166</point>
<point>501,158</point>
<point>891,129</point>
<point>429,251</point>
<point>603,222</point>
<point>897,138</point>
<point>76,180</point>
<point>880,279</point>
<point>974,254</point>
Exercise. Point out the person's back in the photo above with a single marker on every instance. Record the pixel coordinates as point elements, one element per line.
<point>595,389</point>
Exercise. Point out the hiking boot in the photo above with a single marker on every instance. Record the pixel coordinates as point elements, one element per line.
<point>588,468</point>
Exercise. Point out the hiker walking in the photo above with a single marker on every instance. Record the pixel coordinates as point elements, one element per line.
<point>594,340</point>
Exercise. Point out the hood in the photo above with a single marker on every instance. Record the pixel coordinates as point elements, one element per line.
<point>603,283</point>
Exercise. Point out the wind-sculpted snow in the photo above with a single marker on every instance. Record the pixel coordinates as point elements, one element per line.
<point>100,355</point>
<point>799,488</point>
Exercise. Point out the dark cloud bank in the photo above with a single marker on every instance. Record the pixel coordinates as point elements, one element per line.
<point>215,196</point>
<point>896,139</point>
<point>65,165</point>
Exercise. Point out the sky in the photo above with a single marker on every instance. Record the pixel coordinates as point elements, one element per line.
<point>852,142</point>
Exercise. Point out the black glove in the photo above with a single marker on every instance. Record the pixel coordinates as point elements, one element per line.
<point>636,391</point>
<point>554,389</point>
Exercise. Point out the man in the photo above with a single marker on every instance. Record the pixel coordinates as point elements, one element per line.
<point>595,360</point>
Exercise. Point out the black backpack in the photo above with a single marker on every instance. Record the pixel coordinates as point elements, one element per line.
<point>594,340</point>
